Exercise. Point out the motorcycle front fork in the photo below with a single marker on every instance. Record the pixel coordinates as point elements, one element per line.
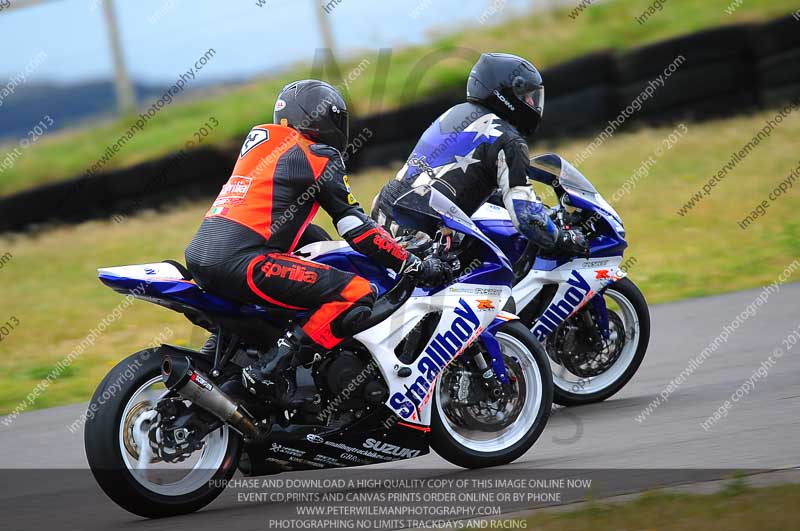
<point>494,374</point>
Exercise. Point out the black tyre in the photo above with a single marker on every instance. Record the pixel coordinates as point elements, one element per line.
<point>692,84</point>
<point>773,97</point>
<point>699,49</point>
<point>578,111</point>
<point>582,73</point>
<point>624,293</point>
<point>776,36</point>
<point>780,69</point>
<point>526,361</point>
<point>112,449</point>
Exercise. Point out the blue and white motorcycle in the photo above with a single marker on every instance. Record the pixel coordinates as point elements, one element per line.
<point>592,319</point>
<point>441,367</point>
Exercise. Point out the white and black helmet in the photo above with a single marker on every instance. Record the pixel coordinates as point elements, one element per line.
<point>316,110</point>
<point>511,87</point>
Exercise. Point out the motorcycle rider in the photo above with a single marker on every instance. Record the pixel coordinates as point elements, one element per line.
<point>243,248</point>
<point>478,146</point>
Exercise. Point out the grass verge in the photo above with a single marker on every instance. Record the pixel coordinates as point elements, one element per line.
<point>747,509</point>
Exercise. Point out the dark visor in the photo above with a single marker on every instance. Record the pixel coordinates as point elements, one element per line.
<point>533,97</point>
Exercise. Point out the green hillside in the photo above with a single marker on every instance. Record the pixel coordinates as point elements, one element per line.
<point>547,39</point>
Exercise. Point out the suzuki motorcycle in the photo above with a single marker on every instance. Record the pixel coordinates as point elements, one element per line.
<point>442,367</point>
<point>592,320</point>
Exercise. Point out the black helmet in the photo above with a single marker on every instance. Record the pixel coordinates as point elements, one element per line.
<point>316,110</point>
<point>511,87</point>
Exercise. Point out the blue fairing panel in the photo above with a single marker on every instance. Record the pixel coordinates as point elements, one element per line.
<point>347,259</point>
<point>181,293</point>
<point>504,235</point>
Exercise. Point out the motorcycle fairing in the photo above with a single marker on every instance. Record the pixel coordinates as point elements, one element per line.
<point>565,179</point>
<point>163,284</point>
<point>469,306</point>
<point>578,282</point>
<point>495,222</point>
<point>465,316</point>
<point>379,437</point>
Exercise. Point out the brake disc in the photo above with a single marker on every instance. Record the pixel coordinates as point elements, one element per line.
<point>571,346</point>
<point>128,439</point>
<point>472,407</point>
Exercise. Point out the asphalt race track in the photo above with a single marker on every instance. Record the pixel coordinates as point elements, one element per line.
<point>668,447</point>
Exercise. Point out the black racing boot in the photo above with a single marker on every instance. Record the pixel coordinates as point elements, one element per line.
<point>272,377</point>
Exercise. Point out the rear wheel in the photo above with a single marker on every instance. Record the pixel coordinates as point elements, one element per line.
<point>475,429</point>
<point>127,452</point>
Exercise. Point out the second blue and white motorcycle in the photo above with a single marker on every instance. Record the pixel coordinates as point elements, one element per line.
<point>592,319</point>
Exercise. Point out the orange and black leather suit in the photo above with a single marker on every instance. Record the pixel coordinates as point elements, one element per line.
<point>243,248</point>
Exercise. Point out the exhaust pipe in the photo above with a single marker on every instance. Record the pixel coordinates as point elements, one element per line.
<point>180,376</point>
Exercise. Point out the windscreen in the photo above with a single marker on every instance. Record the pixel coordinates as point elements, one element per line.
<point>554,166</point>
<point>571,178</point>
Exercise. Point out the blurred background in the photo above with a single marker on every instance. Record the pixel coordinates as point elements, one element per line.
<point>119,121</point>
<point>87,42</point>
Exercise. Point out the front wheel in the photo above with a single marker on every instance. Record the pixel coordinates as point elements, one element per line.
<point>473,428</point>
<point>127,450</point>
<point>583,374</point>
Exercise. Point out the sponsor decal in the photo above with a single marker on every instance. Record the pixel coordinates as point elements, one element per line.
<point>358,451</point>
<point>591,264</point>
<point>296,272</point>
<point>351,199</point>
<point>234,190</point>
<point>280,462</point>
<point>279,448</point>
<point>471,290</point>
<point>280,105</point>
<point>384,241</point>
<point>390,449</point>
<point>440,352</point>
<point>602,274</point>
<point>462,289</point>
<point>504,100</point>
<point>149,271</point>
<point>202,382</point>
<point>558,311</point>
<point>306,462</point>
<point>254,138</point>
<point>490,292</point>
<point>485,304</point>
<point>327,460</point>
<point>354,458</point>
<point>314,438</point>
<point>422,164</point>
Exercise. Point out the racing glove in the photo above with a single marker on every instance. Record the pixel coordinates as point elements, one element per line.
<point>570,243</point>
<point>429,272</point>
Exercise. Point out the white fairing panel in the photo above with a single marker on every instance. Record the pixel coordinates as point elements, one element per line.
<point>578,281</point>
<point>467,309</point>
<point>160,270</point>
<point>488,211</point>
